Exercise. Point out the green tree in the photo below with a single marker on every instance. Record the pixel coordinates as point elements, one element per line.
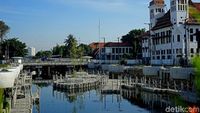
<point>133,38</point>
<point>59,50</point>
<point>71,46</point>
<point>196,62</point>
<point>86,49</point>
<point>3,30</point>
<point>13,47</point>
<point>41,54</point>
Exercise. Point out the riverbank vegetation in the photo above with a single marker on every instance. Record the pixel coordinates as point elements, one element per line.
<point>4,105</point>
<point>196,64</point>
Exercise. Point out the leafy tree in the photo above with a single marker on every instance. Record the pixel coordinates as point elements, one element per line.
<point>13,47</point>
<point>41,54</point>
<point>59,50</point>
<point>133,38</point>
<point>71,46</point>
<point>196,62</point>
<point>3,30</point>
<point>86,49</point>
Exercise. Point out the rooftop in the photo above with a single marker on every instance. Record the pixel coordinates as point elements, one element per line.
<point>194,17</point>
<point>116,44</point>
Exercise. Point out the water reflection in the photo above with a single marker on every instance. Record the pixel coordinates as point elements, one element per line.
<point>90,101</point>
<point>54,101</point>
<point>155,103</point>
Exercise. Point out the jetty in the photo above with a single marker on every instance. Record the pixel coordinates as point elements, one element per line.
<point>112,86</point>
<point>21,94</point>
<point>79,80</point>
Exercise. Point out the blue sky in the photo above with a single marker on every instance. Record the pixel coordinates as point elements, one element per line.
<point>45,23</point>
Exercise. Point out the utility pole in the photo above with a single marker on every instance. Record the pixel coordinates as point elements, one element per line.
<point>118,49</point>
<point>99,31</point>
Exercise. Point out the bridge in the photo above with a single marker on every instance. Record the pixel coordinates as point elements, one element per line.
<point>54,63</point>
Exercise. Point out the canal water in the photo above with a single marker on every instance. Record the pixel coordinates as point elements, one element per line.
<point>52,101</point>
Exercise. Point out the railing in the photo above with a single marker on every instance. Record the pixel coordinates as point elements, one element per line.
<point>56,62</point>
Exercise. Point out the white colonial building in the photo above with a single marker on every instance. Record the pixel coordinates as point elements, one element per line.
<point>172,33</point>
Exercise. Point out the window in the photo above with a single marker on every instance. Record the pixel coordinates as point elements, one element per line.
<point>113,50</point>
<point>192,50</point>
<point>163,57</point>
<point>158,57</point>
<point>177,51</point>
<point>178,38</point>
<point>197,30</point>
<point>191,30</point>
<point>130,50</point>
<point>126,50</point>
<point>168,57</point>
<point>120,50</point>
<point>117,50</point>
<point>191,38</point>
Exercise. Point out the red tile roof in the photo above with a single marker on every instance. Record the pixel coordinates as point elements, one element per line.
<point>116,44</point>
<point>96,45</point>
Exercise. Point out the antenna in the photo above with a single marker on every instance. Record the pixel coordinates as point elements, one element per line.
<point>99,28</point>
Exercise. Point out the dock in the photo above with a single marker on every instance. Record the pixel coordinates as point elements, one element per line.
<point>112,86</point>
<point>22,95</point>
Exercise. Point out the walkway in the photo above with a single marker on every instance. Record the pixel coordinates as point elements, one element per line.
<point>22,99</point>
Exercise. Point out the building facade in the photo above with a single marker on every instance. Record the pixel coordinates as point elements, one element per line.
<point>145,48</point>
<point>31,51</point>
<point>172,33</point>
<point>116,51</point>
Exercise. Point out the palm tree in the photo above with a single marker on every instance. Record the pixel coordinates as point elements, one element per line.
<point>3,30</point>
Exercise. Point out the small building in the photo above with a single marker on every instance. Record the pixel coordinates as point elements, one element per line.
<point>31,51</point>
<point>96,47</point>
<point>115,51</point>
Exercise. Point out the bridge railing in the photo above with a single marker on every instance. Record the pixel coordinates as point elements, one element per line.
<point>56,62</point>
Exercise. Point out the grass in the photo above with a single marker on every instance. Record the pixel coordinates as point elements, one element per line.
<point>4,65</point>
<point>194,13</point>
<point>1,100</point>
